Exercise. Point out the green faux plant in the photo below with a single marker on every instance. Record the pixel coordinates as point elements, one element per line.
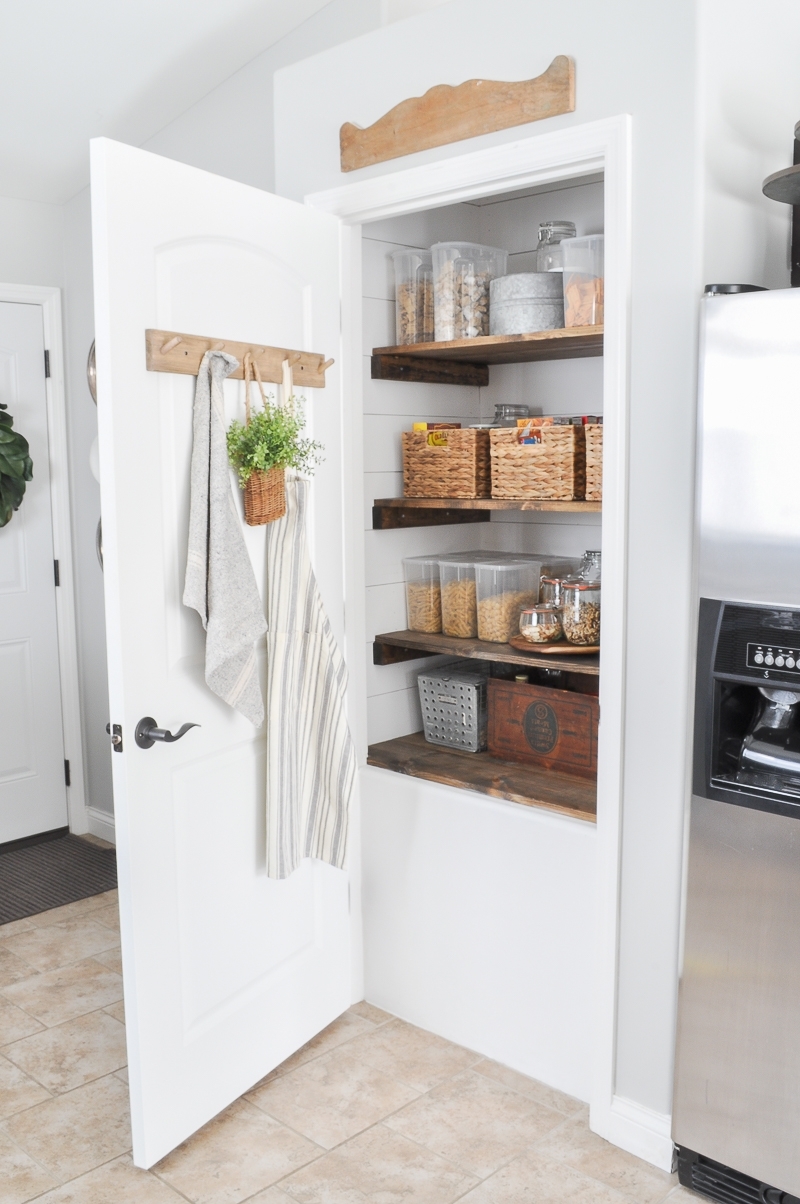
<point>16,467</point>
<point>272,440</point>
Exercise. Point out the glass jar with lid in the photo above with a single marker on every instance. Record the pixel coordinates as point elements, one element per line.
<point>580,611</point>
<point>549,256</point>
<point>507,415</point>
<point>551,586</point>
<point>590,566</point>
<point>540,624</point>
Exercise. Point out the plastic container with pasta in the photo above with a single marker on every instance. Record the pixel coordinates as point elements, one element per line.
<point>423,593</point>
<point>459,608</point>
<point>504,590</point>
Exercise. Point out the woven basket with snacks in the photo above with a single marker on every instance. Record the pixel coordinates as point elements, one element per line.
<point>446,463</point>
<point>594,462</point>
<point>554,467</point>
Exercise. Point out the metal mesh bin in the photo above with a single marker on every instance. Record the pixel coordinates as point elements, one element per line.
<point>454,708</point>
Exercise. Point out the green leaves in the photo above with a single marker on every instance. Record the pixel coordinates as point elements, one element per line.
<point>272,440</point>
<point>16,467</point>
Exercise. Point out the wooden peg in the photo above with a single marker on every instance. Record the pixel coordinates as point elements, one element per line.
<point>218,347</point>
<point>294,358</point>
<point>326,365</point>
<point>173,342</point>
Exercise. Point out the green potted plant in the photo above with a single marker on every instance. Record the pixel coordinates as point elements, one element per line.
<point>16,467</point>
<point>261,450</point>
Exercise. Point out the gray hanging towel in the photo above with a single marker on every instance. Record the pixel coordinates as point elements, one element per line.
<point>220,582</point>
<point>311,761</point>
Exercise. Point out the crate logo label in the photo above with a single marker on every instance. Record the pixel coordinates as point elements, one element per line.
<point>541,727</point>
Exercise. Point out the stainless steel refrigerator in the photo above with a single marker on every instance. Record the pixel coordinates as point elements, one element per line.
<point>736,1112</point>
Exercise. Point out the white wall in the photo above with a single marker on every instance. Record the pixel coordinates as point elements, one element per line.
<point>751,103</point>
<point>637,59</point>
<point>79,333</point>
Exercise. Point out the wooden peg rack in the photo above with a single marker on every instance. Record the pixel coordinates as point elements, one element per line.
<point>171,351</point>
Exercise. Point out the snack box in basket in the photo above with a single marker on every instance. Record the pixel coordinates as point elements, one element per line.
<point>554,729</point>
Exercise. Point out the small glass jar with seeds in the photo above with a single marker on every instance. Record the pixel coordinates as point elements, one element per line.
<point>540,624</point>
<point>580,611</point>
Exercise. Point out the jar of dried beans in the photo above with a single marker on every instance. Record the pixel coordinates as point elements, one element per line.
<point>462,273</point>
<point>580,611</point>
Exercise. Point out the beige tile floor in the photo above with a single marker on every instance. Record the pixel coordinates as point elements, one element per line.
<point>372,1111</point>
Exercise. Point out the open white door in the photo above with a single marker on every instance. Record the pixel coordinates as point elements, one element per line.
<point>226,971</point>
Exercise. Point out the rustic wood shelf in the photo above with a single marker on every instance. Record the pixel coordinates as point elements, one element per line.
<point>466,361</point>
<point>395,646</point>
<point>391,512</point>
<point>524,784</point>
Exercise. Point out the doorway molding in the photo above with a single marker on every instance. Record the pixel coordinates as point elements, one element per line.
<point>49,299</point>
<point>567,154</point>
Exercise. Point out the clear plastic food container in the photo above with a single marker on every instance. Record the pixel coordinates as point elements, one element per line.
<point>462,273</point>
<point>413,282</point>
<point>580,611</point>
<point>459,605</point>
<point>423,593</point>
<point>583,280</point>
<point>504,589</point>
<point>540,624</point>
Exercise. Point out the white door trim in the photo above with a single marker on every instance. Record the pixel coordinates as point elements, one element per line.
<point>581,150</point>
<point>49,298</point>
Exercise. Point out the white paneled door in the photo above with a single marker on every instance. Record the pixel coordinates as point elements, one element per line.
<point>226,971</point>
<point>33,793</point>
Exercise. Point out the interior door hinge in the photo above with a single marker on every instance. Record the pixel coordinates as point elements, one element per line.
<point>67,779</point>
<point>115,732</point>
<point>47,363</point>
<point>56,572</point>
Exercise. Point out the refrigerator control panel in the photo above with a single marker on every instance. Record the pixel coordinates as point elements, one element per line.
<point>770,656</point>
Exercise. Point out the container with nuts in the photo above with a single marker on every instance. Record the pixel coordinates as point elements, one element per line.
<point>540,624</point>
<point>413,274</point>
<point>580,611</point>
<point>504,590</point>
<point>462,273</point>
<point>423,593</point>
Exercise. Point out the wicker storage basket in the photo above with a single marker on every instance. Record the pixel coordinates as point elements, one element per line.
<point>456,464</point>
<point>594,462</point>
<point>265,497</point>
<point>554,468</point>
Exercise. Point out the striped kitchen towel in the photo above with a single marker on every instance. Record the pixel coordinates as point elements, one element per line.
<point>311,759</point>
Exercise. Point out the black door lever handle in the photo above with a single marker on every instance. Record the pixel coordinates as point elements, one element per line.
<point>147,732</point>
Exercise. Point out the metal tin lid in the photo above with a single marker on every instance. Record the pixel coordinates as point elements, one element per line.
<point>726,290</point>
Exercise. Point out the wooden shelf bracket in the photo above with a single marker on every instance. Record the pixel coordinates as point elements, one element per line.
<point>172,351</point>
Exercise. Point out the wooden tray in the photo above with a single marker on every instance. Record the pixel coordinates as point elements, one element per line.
<point>562,647</point>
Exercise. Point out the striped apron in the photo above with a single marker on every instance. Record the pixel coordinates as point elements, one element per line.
<point>311,759</point>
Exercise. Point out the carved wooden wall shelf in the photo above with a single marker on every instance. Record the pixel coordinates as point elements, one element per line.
<point>449,114</point>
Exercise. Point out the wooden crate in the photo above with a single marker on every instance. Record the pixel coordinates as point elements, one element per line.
<point>554,729</point>
<point>446,464</point>
<point>554,468</point>
<point>594,462</point>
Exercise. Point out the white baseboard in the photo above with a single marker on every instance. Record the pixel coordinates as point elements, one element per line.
<point>639,1130</point>
<point>101,824</point>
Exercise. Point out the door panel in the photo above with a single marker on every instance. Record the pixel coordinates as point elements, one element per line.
<point>226,972</point>
<point>33,793</point>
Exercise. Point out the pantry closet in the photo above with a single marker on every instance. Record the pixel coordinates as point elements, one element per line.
<point>557,386</point>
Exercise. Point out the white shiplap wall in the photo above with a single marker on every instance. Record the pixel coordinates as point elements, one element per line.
<point>558,387</point>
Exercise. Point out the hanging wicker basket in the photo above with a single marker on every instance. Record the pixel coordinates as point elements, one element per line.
<point>264,492</point>
<point>265,497</point>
